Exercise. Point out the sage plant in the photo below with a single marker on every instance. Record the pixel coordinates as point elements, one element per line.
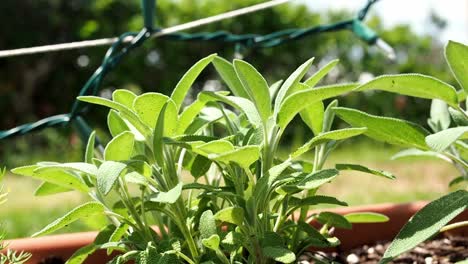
<point>205,183</point>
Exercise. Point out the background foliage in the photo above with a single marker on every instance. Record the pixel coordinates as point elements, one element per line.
<point>33,87</point>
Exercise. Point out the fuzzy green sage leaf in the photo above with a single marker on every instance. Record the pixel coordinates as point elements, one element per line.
<point>82,211</point>
<point>233,215</point>
<point>279,254</point>
<point>107,175</point>
<point>443,139</point>
<point>390,130</point>
<point>357,167</point>
<point>297,101</point>
<point>366,217</point>
<point>457,58</point>
<point>417,85</point>
<point>426,223</point>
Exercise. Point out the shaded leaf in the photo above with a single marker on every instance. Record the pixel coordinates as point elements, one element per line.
<point>333,219</point>
<point>317,179</point>
<point>309,181</point>
<point>314,237</point>
<point>357,167</point>
<point>329,116</point>
<point>279,254</point>
<point>315,200</point>
<point>207,224</point>
<point>426,223</point>
<point>82,254</point>
<point>458,117</point>
<point>328,136</point>
<point>200,166</point>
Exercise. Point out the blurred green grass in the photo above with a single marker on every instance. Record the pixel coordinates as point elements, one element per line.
<point>25,214</point>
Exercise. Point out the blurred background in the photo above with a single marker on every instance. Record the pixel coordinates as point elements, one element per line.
<point>37,86</point>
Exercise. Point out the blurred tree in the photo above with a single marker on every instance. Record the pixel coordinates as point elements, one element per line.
<point>37,86</point>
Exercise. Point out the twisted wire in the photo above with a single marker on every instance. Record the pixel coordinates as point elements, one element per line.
<point>117,52</point>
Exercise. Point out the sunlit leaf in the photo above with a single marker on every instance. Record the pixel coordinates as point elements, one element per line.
<point>120,147</point>
<point>443,139</point>
<point>288,86</point>
<point>244,156</point>
<point>386,129</point>
<point>53,175</point>
<point>124,97</point>
<point>417,85</point>
<point>47,188</point>
<point>82,211</point>
<point>457,58</point>
<point>233,215</point>
<point>314,79</point>
<point>107,175</point>
<point>256,87</point>
<point>366,217</point>
<point>229,75</point>
<point>297,101</point>
<point>170,196</point>
<point>184,84</point>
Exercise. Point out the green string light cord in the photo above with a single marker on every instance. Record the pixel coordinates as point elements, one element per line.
<point>118,51</point>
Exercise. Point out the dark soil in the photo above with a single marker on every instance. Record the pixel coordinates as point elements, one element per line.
<point>437,251</point>
<point>52,260</point>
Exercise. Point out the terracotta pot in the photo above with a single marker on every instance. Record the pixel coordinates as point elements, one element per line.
<point>63,246</point>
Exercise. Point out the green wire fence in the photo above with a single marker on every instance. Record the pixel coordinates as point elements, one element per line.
<point>120,49</point>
